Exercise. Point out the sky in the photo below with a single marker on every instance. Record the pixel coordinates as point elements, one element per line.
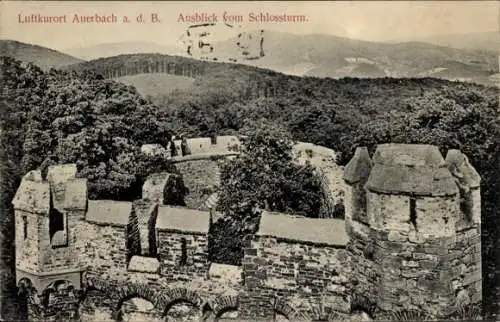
<point>373,20</point>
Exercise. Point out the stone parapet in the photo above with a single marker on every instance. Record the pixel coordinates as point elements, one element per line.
<point>411,240</point>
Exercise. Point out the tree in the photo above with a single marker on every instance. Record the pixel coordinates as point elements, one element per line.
<point>59,117</point>
<point>263,176</point>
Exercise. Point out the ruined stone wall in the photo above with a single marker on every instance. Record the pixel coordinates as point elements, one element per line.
<point>27,250</point>
<point>430,264</point>
<point>97,306</point>
<point>170,254</point>
<point>62,305</point>
<point>102,249</point>
<point>465,264</point>
<point>404,253</point>
<point>365,272</point>
<point>202,178</point>
<point>175,299</point>
<point>60,258</point>
<point>466,261</point>
<point>412,256</point>
<point>309,277</point>
<point>414,275</point>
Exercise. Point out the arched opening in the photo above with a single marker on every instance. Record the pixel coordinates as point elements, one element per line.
<point>362,308</point>
<point>136,304</point>
<point>285,312</point>
<point>182,309</point>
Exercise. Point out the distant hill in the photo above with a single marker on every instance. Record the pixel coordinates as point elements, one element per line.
<point>316,55</point>
<point>43,57</point>
<point>475,41</point>
<point>152,84</point>
<point>115,49</point>
<point>336,57</point>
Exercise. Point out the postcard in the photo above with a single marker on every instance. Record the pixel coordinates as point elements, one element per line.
<point>249,161</point>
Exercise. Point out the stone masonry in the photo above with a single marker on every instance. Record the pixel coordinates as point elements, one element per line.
<point>299,261</point>
<point>410,240</point>
<point>414,243</point>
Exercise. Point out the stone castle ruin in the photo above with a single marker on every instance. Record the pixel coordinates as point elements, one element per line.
<point>410,240</point>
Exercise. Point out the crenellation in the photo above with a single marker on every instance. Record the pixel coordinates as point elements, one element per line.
<point>201,178</point>
<point>411,240</point>
<point>415,244</point>
<point>154,188</point>
<point>355,175</point>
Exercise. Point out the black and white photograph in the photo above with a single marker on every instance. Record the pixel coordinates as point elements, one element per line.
<point>249,161</point>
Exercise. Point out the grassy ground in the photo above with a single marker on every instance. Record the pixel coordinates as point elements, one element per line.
<point>156,83</point>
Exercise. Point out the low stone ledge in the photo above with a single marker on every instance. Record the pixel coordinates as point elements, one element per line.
<point>143,264</point>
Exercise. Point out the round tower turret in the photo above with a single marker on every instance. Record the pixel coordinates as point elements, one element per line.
<point>408,242</point>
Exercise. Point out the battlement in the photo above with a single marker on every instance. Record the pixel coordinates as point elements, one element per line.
<point>409,207</point>
<point>303,230</point>
<point>61,188</point>
<point>417,182</point>
<point>410,238</point>
<point>417,170</point>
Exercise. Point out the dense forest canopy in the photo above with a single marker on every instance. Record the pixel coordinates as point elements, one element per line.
<point>61,117</point>
<point>322,111</point>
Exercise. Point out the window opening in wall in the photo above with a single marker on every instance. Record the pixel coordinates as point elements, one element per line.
<point>57,229</point>
<point>413,212</point>
<point>56,222</point>
<point>183,260</point>
<point>25,227</point>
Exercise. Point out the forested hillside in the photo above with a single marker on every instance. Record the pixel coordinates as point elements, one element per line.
<point>43,57</point>
<point>323,55</point>
<point>322,111</point>
<point>100,124</point>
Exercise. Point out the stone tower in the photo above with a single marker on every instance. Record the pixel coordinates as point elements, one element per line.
<point>413,221</point>
<point>47,211</point>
